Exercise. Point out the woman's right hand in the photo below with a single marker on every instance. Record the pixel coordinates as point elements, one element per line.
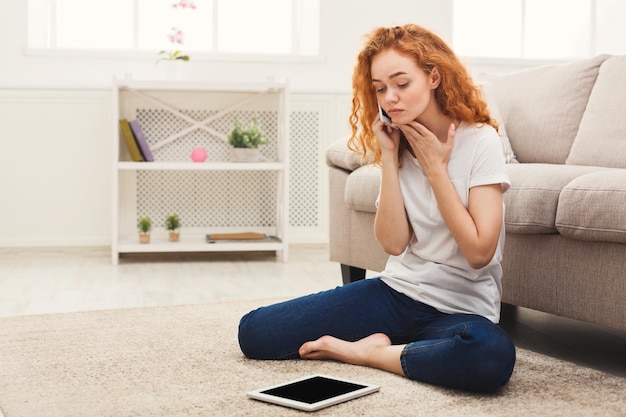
<point>388,137</point>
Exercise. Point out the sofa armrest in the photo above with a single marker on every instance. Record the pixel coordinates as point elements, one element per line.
<point>338,155</point>
<point>351,240</point>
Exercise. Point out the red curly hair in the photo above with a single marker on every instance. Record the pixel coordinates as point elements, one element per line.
<point>457,95</point>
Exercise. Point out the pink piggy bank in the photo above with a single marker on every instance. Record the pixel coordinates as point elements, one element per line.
<point>198,155</point>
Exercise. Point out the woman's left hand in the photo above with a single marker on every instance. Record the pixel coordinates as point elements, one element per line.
<point>432,154</point>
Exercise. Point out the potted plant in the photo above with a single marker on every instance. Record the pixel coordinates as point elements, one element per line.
<point>144,224</point>
<point>171,59</point>
<point>172,224</point>
<point>246,141</point>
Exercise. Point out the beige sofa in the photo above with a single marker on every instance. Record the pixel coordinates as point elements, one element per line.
<point>565,249</point>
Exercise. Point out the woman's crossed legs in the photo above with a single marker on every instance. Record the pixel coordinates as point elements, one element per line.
<point>368,323</point>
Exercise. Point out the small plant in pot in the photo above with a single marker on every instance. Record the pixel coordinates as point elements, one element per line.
<point>245,142</point>
<point>144,224</point>
<point>172,224</point>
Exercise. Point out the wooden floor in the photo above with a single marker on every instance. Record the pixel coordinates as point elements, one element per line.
<point>55,280</point>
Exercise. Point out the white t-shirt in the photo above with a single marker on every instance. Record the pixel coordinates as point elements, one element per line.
<point>432,269</point>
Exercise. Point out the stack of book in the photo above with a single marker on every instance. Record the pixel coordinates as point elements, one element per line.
<point>136,141</point>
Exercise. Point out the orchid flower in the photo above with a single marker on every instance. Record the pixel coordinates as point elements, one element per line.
<point>183,4</point>
<point>175,35</point>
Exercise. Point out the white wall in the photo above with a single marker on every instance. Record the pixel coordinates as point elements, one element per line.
<point>55,114</point>
<point>55,167</point>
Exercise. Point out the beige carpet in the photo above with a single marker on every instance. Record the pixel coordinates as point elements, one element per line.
<point>185,361</point>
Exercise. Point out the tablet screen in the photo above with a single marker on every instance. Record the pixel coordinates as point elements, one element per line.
<point>313,392</point>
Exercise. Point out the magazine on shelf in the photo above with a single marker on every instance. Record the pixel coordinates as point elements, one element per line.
<point>239,237</point>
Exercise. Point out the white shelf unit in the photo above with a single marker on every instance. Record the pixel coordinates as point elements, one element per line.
<point>176,117</point>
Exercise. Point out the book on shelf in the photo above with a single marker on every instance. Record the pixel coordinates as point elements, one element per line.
<point>140,138</point>
<point>129,138</point>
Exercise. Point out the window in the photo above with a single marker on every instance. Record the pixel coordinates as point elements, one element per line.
<point>275,27</point>
<point>538,29</point>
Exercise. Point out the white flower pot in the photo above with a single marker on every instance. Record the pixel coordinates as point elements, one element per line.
<point>245,155</point>
<point>171,69</point>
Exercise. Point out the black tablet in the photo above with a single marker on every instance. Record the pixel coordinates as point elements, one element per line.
<point>313,392</point>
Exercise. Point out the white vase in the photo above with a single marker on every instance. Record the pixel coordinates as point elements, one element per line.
<point>245,155</point>
<point>171,69</point>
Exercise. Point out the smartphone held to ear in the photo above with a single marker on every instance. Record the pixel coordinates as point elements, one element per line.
<point>384,116</point>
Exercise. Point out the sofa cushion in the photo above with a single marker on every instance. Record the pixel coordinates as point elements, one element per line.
<point>531,202</point>
<point>604,121</point>
<point>362,187</point>
<point>494,110</point>
<point>542,107</point>
<point>593,207</point>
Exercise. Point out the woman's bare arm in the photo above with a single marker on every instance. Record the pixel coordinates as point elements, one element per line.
<point>391,226</point>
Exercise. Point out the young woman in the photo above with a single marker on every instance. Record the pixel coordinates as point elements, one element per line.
<point>432,314</point>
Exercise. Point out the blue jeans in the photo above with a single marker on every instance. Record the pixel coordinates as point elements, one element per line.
<point>461,351</point>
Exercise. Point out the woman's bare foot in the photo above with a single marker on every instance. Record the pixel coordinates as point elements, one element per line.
<point>375,350</point>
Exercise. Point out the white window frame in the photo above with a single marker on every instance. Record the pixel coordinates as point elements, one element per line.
<point>295,54</point>
<point>524,57</point>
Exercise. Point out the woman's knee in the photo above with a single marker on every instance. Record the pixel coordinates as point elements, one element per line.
<point>485,356</point>
<point>497,359</point>
<point>262,336</point>
<point>251,337</point>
